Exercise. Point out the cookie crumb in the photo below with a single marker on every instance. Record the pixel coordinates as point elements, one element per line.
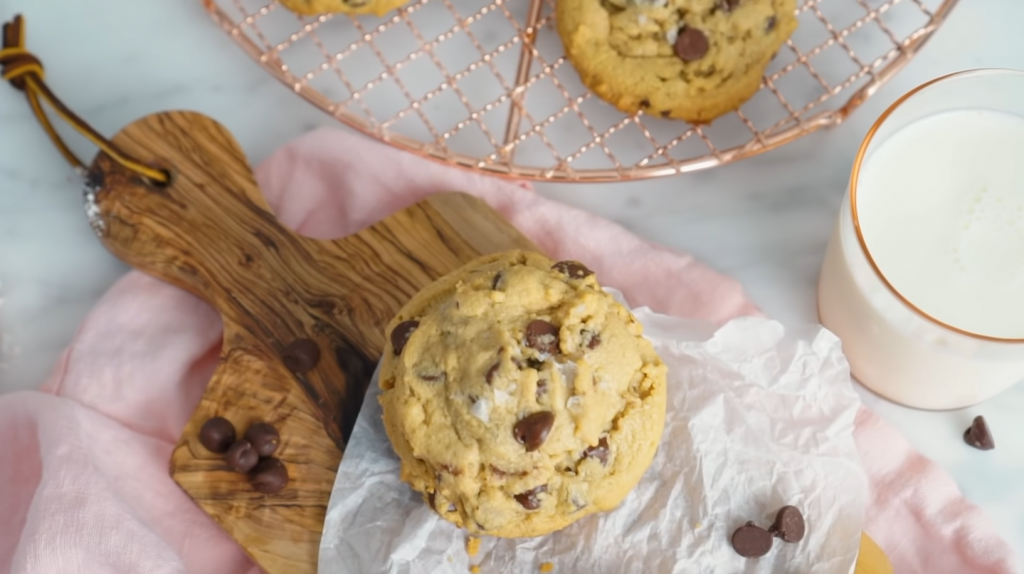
<point>474,569</point>
<point>472,546</point>
<point>547,567</point>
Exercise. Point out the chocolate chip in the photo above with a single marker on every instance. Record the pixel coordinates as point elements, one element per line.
<point>978,435</point>
<point>534,364</point>
<point>691,44</point>
<point>645,103</point>
<point>217,435</point>
<point>530,499</point>
<point>301,355</point>
<point>264,438</point>
<point>665,113</point>
<point>572,269</point>
<point>430,499</point>
<point>401,333</point>
<point>728,5</point>
<point>496,282</point>
<point>533,430</point>
<point>769,24</point>
<point>269,477</point>
<point>600,452</point>
<point>789,524</point>
<point>489,377</point>
<point>591,340</point>
<point>241,456</point>
<point>542,388</point>
<point>751,541</point>
<point>542,336</point>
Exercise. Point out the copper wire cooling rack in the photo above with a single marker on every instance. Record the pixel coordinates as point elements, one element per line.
<point>484,84</point>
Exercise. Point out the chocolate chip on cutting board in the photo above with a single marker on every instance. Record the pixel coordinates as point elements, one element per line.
<point>242,457</point>
<point>531,431</point>
<point>217,435</point>
<point>751,541</point>
<point>789,524</point>
<point>269,476</point>
<point>401,333</point>
<point>978,435</point>
<point>264,438</point>
<point>542,336</point>
<point>691,44</point>
<point>301,355</point>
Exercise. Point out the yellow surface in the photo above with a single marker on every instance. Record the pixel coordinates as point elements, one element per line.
<point>871,559</point>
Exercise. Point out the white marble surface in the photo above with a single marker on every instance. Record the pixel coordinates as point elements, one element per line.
<point>764,221</point>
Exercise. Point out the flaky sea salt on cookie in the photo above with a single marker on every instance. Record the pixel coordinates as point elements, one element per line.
<point>519,396</point>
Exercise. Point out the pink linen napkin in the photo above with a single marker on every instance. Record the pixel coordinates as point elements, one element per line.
<point>83,478</point>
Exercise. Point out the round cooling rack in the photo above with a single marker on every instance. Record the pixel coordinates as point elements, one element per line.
<point>484,84</point>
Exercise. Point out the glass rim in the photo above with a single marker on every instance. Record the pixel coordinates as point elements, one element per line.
<point>855,174</point>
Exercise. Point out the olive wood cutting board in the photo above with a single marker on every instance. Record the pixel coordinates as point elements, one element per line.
<point>210,232</point>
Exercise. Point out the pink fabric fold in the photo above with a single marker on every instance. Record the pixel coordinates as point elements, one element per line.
<point>83,478</point>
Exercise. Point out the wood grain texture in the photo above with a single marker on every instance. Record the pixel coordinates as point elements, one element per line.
<point>211,233</point>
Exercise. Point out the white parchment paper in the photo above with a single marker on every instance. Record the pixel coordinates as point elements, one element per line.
<point>758,418</point>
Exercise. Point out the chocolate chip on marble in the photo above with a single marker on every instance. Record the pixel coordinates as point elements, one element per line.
<point>401,333</point>
<point>264,438</point>
<point>530,499</point>
<point>978,435</point>
<point>241,456</point>
<point>789,524</point>
<point>269,477</point>
<point>532,430</point>
<point>217,435</point>
<point>489,377</point>
<point>301,355</point>
<point>542,336</point>
<point>750,541</point>
<point>599,452</point>
<point>691,44</point>
<point>572,269</point>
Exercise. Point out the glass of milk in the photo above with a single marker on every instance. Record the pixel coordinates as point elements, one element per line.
<point>923,279</point>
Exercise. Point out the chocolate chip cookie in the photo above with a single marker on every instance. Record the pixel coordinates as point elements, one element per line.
<point>520,396</point>
<point>688,59</point>
<point>314,7</point>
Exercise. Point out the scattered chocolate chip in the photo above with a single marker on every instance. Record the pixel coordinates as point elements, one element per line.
<point>542,388</point>
<point>401,333</point>
<point>217,435</point>
<point>542,336</point>
<point>264,438</point>
<point>301,355</point>
<point>600,452</point>
<point>769,24</point>
<point>531,431</point>
<point>489,377</point>
<point>534,364</point>
<point>530,499</point>
<point>691,44</point>
<point>572,269</point>
<point>269,477</point>
<point>978,435</point>
<point>591,340</point>
<point>645,103</point>
<point>728,5</point>
<point>750,541</point>
<point>496,282</point>
<point>241,456</point>
<point>665,113</point>
<point>789,524</point>
<point>433,377</point>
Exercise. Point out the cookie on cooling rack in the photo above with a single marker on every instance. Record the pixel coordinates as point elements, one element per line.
<point>314,7</point>
<point>688,59</point>
<point>519,396</point>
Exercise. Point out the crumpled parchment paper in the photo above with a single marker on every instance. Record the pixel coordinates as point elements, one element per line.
<point>758,417</point>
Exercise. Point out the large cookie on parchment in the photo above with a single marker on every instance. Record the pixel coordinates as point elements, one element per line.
<point>519,396</point>
<point>688,59</point>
